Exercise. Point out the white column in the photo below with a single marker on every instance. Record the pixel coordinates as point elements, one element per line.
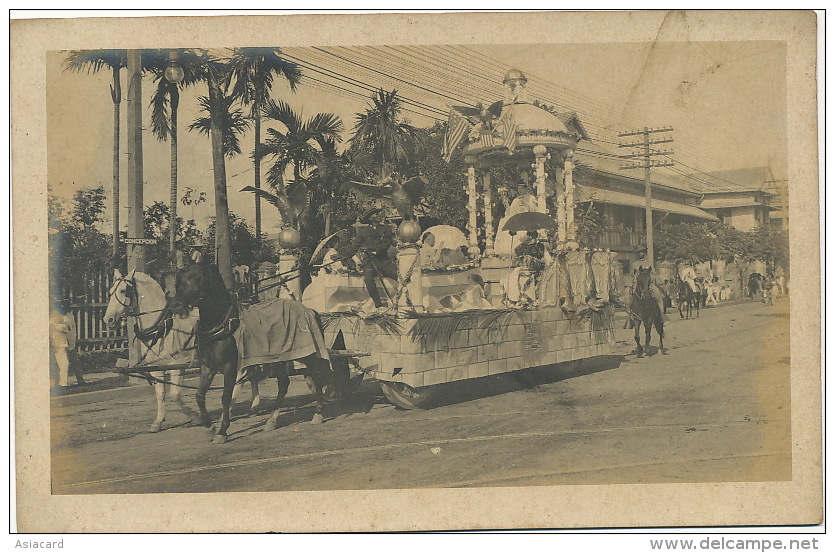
<point>540,152</point>
<point>408,266</point>
<point>288,267</point>
<point>561,231</point>
<point>569,200</point>
<point>488,214</point>
<point>472,206</point>
<point>558,179</point>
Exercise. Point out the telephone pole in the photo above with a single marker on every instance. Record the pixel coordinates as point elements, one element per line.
<point>136,223</point>
<point>647,153</point>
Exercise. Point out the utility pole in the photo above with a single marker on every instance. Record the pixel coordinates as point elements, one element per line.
<point>136,223</point>
<point>647,153</point>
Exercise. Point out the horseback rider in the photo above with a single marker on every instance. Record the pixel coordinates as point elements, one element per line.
<point>688,275</point>
<point>643,263</point>
<point>372,241</point>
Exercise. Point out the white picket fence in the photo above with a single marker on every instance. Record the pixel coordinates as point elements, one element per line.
<point>88,305</point>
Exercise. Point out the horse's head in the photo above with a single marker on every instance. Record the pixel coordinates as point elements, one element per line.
<point>122,298</point>
<point>196,285</point>
<point>642,282</point>
<point>189,289</point>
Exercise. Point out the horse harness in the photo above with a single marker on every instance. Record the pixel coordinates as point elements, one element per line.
<point>150,336</point>
<point>225,328</point>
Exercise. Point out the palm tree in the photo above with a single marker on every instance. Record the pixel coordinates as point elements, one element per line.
<point>299,144</point>
<point>382,141</point>
<point>164,104</point>
<point>253,70</point>
<point>223,126</point>
<point>326,181</point>
<point>92,61</point>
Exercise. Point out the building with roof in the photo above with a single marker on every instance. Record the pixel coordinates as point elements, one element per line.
<point>619,196</point>
<point>747,200</point>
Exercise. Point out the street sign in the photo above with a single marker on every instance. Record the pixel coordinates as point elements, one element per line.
<point>140,241</point>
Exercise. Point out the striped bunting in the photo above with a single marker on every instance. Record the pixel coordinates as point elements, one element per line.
<point>457,129</point>
<point>507,128</point>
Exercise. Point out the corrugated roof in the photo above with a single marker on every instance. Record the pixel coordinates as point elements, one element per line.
<point>587,193</point>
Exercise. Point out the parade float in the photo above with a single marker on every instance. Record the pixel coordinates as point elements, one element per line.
<point>487,310</point>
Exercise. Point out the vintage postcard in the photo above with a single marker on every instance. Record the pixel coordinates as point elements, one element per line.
<point>416,271</point>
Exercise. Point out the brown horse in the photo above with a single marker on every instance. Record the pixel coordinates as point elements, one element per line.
<point>687,299</point>
<point>644,310</point>
<point>202,286</point>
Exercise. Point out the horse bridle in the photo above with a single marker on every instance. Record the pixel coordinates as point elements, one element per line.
<point>130,289</point>
<point>151,335</point>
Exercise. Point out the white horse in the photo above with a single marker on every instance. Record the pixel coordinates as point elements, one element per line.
<point>140,296</point>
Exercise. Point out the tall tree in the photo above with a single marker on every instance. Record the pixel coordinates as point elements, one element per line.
<point>164,105</point>
<point>222,126</point>
<point>253,71</point>
<point>383,141</point>
<point>93,61</point>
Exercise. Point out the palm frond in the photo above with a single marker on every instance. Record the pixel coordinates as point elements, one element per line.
<point>254,69</point>
<point>160,109</point>
<point>282,112</point>
<point>232,122</point>
<point>433,331</point>
<point>386,323</point>
<point>93,61</point>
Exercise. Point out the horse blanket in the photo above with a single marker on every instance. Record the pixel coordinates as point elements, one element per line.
<point>278,330</point>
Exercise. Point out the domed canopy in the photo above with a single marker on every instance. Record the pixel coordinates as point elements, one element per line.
<point>530,118</point>
<point>514,75</point>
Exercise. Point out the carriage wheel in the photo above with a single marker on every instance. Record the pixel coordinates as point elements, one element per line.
<point>407,397</point>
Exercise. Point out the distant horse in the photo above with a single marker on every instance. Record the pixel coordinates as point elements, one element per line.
<point>202,286</point>
<point>687,299</point>
<point>140,296</point>
<point>645,311</point>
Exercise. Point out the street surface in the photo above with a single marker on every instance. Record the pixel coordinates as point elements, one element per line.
<point>715,408</point>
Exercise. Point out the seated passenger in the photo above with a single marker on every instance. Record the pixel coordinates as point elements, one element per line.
<point>474,296</point>
<point>530,252</point>
<point>429,254</point>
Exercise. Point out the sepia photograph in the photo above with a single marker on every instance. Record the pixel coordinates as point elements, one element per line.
<point>494,264</point>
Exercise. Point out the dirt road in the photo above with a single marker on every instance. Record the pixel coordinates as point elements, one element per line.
<point>716,408</point>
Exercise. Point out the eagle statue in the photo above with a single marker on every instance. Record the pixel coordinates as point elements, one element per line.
<point>403,196</point>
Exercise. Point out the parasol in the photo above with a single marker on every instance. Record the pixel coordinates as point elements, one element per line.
<point>446,236</point>
<point>529,220</point>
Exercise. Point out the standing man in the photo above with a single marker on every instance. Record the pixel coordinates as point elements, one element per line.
<point>62,341</point>
<point>643,263</point>
<point>372,241</point>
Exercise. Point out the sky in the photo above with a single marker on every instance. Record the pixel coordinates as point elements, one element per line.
<point>725,100</point>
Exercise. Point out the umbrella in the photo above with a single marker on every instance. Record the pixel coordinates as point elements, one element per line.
<point>320,249</point>
<point>529,220</point>
<point>447,236</point>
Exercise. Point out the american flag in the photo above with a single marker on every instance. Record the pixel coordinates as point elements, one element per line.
<point>487,140</point>
<point>457,128</point>
<point>507,127</point>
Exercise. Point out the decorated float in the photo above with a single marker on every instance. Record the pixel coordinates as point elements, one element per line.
<point>471,305</point>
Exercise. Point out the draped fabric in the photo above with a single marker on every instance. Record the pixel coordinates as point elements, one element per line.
<point>578,274</point>
<point>600,263</point>
<point>279,330</point>
<point>549,286</point>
